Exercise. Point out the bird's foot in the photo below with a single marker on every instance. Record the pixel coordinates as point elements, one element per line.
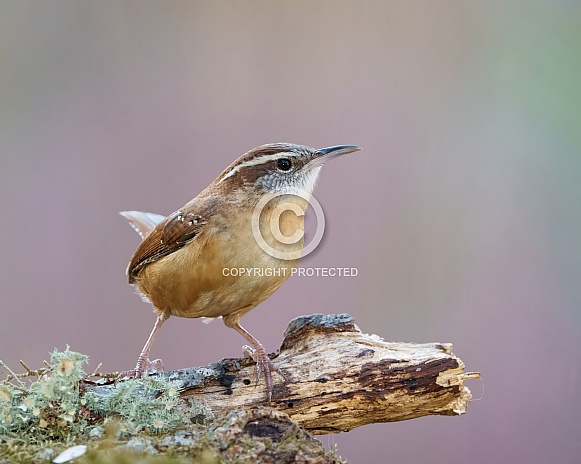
<point>263,365</point>
<point>143,367</point>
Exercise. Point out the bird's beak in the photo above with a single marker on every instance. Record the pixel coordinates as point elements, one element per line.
<point>322,155</point>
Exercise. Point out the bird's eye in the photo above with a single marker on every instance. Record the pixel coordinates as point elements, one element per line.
<point>284,164</point>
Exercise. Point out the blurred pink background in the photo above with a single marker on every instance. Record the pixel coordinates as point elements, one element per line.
<point>462,213</point>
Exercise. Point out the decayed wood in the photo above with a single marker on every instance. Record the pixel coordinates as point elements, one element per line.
<point>338,378</point>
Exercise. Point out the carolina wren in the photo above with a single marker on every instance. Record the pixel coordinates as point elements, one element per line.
<point>179,265</point>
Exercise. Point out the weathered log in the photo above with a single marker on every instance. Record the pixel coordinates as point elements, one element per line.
<point>336,378</point>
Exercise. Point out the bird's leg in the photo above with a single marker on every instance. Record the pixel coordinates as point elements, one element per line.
<point>257,352</point>
<point>144,366</point>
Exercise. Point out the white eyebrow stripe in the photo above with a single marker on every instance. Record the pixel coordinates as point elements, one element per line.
<point>254,162</point>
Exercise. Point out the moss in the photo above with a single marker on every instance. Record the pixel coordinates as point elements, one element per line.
<point>127,457</point>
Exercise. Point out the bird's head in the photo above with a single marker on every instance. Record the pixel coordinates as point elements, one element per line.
<point>280,168</point>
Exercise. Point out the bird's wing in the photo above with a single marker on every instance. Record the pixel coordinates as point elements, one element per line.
<point>143,223</point>
<point>172,233</point>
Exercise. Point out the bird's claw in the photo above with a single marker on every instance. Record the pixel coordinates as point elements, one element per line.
<point>143,368</point>
<point>263,365</point>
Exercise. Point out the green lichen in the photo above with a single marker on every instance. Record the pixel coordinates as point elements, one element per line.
<point>49,406</point>
<point>55,409</point>
<point>144,404</point>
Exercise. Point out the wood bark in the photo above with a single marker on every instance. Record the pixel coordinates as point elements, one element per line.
<point>336,378</point>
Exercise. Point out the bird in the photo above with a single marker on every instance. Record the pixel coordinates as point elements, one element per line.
<point>181,265</point>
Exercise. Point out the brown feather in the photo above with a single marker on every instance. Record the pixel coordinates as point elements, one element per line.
<point>171,234</point>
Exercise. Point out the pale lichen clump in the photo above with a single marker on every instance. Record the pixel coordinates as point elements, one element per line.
<point>48,407</point>
<point>57,408</point>
<point>141,404</point>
